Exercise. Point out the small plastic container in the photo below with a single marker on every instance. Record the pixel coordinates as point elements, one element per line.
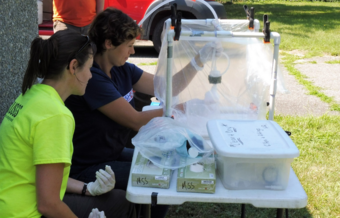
<point>252,154</point>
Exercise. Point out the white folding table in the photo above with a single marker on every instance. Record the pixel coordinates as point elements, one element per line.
<point>292,197</point>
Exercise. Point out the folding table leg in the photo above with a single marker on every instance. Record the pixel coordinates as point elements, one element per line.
<point>243,211</point>
<point>279,213</point>
<point>146,210</point>
<point>138,208</point>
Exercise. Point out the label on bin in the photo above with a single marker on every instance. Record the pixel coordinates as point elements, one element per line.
<point>258,135</point>
<point>161,178</point>
<point>207,182</point>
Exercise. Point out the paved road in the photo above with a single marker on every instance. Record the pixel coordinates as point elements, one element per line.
<point>297,101</point>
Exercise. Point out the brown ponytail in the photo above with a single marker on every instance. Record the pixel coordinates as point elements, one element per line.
<point>49,58</point>
<point>40,56</point>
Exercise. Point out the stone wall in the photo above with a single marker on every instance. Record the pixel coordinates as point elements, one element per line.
<point>18,27</point>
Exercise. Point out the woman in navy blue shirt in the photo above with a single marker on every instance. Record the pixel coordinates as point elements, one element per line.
<point>105,115</point>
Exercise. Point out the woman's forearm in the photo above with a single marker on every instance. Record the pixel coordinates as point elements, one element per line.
<point>182,79</point>
<point>48,181</point>
<point>56,210</point>
<point>76,187</point>
<point>145,117</point>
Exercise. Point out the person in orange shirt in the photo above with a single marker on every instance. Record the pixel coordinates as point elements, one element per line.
<point>76,15</point>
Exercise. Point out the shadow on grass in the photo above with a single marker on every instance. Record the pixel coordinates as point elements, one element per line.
<point>219,210</point>
<point>305,17</point>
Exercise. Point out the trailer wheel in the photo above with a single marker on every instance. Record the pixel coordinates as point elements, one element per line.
<point>156,36</point>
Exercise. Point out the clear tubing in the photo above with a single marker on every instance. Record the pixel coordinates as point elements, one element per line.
<point>166,2</point>
<point>211,9</point>
<point>228,63</point>
<point>220,34</point>
<point>207,22</point>
<point>213,64</point>
<point>153,10</point>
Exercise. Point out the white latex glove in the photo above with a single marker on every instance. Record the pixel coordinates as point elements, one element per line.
<point>207,51</point>
<point>105,182</point>
<point>97,214</point>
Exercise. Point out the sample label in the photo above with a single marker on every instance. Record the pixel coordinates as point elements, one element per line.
<point>161,178</point>
<point>256,135</point>
<point>210,182</point>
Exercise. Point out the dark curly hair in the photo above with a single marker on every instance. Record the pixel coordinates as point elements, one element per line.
<point>114,25</point>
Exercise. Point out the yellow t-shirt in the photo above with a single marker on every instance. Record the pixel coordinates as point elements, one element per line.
<point>37,129</point>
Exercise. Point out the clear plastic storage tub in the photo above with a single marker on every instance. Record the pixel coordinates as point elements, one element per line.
<point>252,154</point>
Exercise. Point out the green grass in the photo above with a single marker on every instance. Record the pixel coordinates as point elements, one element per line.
<point>317,167</point>
<point>312,27</point>
<point>333,62</point>
<point>148,64</point>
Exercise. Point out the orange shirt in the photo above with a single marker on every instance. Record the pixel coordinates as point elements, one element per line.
<point>78,13</point>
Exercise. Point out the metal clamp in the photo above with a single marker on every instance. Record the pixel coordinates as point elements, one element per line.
<point>250,16</point>
<point>176,21</point>
<point>266,29</point>
<point>178,27</point>
<point>173,14</point>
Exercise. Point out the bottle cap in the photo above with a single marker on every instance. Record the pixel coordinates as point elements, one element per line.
<point>193,152</point>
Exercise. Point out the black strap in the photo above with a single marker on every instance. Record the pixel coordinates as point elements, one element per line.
<point>154,199</point>
<point>83,192</point>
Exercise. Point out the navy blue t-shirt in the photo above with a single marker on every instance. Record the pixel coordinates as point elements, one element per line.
<point>97,138</point>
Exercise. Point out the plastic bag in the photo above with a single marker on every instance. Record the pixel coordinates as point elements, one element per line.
<point>165,141</point>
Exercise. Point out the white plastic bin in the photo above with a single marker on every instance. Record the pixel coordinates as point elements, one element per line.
<point>252,154</point>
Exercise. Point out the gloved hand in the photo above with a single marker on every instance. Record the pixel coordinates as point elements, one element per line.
<point>207,51</point>
<point>105,182</point>
<point>97,214</point>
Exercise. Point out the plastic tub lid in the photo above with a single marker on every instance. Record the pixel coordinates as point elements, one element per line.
<point>251,139</point>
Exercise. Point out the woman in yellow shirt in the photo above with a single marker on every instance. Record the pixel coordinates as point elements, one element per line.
<point>36,138</point>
